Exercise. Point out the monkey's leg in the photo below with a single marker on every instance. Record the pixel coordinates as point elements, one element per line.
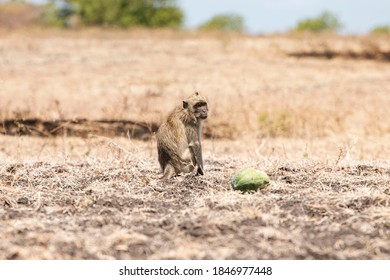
<point>188,168</point>
<point>169,172</point>
<point>188,161</point>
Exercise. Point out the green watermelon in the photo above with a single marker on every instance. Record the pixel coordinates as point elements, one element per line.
<point>250,179</point>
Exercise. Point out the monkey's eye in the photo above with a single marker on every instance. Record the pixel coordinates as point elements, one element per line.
<point>200,104</point>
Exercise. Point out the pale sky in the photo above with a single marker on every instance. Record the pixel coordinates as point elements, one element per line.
<point>264,16</point>
<point>267,16</point>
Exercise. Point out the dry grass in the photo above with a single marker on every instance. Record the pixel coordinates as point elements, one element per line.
<point>139,75</point>
<point>114,207</point>
<point>317,126</point>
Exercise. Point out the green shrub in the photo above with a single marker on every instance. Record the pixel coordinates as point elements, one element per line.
<point>382,29</point>
<point>55,15</point>
<point>224,22</point>
<point>276,123</point>
<point>167,17</point>
<point>324,22</point>
<point>129,13</point>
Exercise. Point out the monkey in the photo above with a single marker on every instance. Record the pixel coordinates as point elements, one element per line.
<point>178,138</point>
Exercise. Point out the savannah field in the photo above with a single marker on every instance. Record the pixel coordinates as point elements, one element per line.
<point>79,177</point>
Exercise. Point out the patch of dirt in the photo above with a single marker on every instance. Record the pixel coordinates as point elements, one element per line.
<point>383,56</point>
<point>109,128</point>
<point>77,128</point>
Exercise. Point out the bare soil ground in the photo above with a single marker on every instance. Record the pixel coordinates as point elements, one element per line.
<point>317,125</point>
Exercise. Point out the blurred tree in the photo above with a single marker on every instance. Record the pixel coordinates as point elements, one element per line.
<point>224,22</point>
<point>56,13</point>
<point>382,29</point>
<point>324,22</point>
<point>127,13</point>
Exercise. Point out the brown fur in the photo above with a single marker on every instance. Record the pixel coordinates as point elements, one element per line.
<point>178,138</point>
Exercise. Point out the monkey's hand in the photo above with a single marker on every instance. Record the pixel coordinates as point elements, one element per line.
<point>200,171</point>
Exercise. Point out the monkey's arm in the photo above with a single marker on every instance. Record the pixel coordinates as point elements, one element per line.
<point>196,150</point>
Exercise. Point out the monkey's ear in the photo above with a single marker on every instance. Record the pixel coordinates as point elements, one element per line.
<point>185,104</point>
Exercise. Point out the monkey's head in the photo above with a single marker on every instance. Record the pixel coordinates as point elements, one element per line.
<point>196,105</point>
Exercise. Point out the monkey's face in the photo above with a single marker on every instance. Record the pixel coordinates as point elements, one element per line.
<point>201,110</point>
<point>197,106</point>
